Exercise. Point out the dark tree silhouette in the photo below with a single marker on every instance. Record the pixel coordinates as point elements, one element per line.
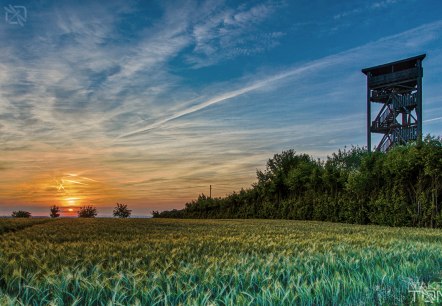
<point>402,187</point>
<point>87,212</point>
<point>155,214</point>
<point>121,211</point>
<point>55,212</point>
<point>21,214</point>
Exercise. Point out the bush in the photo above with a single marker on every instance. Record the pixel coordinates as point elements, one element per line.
<point>55,212</point>
<point>21,214</point>
<point>87,212</point>
<point>121,211</point>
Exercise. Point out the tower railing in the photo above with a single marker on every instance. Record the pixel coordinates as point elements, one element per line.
<point>384,118</point>
<point>403,101</point>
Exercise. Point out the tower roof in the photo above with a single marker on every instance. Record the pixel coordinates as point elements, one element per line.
<point>394,66</point>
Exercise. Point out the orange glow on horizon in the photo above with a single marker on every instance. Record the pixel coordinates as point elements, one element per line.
<point>102,187</point>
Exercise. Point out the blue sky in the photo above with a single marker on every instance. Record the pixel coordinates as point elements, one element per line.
<point>149,102</point>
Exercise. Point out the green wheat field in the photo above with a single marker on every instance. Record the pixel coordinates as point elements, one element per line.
<point>213,262</point>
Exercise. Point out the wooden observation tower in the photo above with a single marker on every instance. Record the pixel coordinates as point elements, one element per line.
<point>397,88</point>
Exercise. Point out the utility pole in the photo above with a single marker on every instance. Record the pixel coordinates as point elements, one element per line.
<point>210,191</point>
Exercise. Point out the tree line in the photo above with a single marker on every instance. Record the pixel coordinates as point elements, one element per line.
<point>120,211</point>
<point>399,188</point>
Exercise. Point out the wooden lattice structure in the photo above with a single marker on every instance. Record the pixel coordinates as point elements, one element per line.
<point>397,87</point>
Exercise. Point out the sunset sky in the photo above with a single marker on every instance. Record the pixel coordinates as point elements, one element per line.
<point>147,103</point>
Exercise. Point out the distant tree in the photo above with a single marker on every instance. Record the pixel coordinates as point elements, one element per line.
<point>174,213</point>
<point>21,214</point>
<point>155,214</point>
<point>87,212</point>
<point>55,211</point>
<point>121,211</point>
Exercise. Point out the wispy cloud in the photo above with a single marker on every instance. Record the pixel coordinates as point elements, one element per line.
<point>226,33</point>
<point>369,7</point>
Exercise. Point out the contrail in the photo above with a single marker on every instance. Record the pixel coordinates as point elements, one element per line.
<point>433,119</point>
<point>81,177</point>
<point>88,179</point>
<point>75,182</point>
<point>230,95</point>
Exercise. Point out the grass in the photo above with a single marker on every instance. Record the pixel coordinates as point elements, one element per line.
<point>16,224</point>
<point>214,262</point>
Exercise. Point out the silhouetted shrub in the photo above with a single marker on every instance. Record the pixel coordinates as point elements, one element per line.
<point>121,211</point>
<point>55,212</point>
<point>21,214</point>
<point>87,212</point>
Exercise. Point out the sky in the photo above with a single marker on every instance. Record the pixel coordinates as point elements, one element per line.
<point>147,103</point>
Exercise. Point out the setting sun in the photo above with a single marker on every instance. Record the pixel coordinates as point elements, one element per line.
<point>70,209</point>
